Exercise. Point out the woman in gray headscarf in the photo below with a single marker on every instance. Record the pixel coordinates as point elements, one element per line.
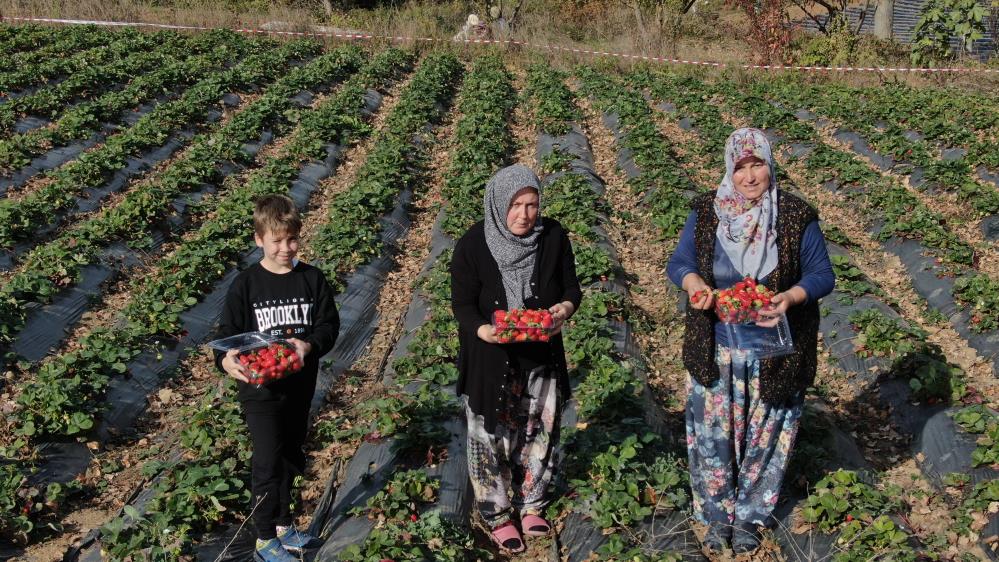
<point>513,259</point>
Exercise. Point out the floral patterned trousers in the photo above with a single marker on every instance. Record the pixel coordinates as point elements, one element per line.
<point>738,446</point>
<point>518,458</point>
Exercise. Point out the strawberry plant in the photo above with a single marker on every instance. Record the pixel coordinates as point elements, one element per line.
<point>619,549</point>
<point>154,51</point>
<point>851,282</point>
<point>881,336</point>
<point>483,141</point>
<point>981,293</point>
<point>980,501</point>
<point>31,38</point>
<point>553,107</point>
<point>402,497</point>
<point>622,488</point>
<point>842,497</point>
<point>430,537</point>
<point>351,235</point>
<point>26,509</point>
<point>875,539</point>
<point>979,420</point>
<point>56,264</point>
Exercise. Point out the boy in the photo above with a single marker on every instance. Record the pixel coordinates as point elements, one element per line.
<point>283,297</point>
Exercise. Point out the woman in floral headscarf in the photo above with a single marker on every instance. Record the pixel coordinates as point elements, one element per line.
<point>743,411</point>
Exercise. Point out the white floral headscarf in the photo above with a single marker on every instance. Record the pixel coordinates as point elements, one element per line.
<point>747,229</point>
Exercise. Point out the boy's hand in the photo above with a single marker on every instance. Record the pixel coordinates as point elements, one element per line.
<point>302,348</point>
<point>233,368</point>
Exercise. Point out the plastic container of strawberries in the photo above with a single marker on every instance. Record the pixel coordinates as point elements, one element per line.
<point>267,358</point>
<point>741,308</point>
<point>523,325</point>
<point>763,342</point>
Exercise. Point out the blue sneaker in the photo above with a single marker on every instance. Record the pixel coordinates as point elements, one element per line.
<point>296,541</point>
<point>272,551</point>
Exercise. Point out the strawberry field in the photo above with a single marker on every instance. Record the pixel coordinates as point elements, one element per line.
<point>129,164</point>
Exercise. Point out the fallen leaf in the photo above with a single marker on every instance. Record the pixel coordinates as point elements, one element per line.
<point>165,395</point>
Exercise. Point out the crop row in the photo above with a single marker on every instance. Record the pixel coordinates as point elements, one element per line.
<point>147,53</point>
<point>17,38</point>
<point>208,52</point>
<point>567,197</point>
<point>70,59</point>
<point>56,264</point>
<point>46,44</point>
<point>49,405</point>
<point>415,420</point>
<point>617,471</point>
<point>659,177</point>
<point>854,109</point>
<point>433,80</point>
<point>155,304</point>
<point>946,117</point>
<point>351,233</point>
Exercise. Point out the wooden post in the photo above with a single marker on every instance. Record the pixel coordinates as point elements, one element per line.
<point>883,19</point>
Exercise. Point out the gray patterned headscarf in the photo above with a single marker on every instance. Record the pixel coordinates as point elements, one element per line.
<point>514,254</point>
<point>748,229</point>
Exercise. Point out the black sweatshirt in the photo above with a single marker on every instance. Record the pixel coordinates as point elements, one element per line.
<point>477,291</point>
<point>298,304</point>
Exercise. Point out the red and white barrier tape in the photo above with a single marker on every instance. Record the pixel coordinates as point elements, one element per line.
<point>369,36</point>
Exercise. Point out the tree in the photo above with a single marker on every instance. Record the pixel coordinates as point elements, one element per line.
<point>994,23</point>
<point>770,29</point>
<point>659,23</point>
<point>939,21</point>
<point>826,12</point>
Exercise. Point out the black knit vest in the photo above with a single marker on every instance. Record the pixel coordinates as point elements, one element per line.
<point>781,377</point>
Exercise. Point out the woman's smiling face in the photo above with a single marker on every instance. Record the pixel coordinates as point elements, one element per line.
<point>751,177</point>
<point>523,211</point>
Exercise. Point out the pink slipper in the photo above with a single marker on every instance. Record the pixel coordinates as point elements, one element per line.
<point>508,538</point>
<point>534,526</point>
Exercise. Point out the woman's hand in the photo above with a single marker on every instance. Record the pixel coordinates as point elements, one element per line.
<point>699,293</point>
<point>560,313</point>
<point>232,367</point>
<point>487,333</point>
<point>780,304</point>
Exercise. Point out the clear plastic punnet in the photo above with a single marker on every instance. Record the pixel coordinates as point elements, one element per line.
<point>762,342</point>
<point>267,358</point>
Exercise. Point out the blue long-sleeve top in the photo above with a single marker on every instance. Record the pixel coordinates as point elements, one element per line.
<point>817,278</point>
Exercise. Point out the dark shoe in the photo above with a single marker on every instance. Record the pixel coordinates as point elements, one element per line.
<point>746,538</point>
<point>717,536</point>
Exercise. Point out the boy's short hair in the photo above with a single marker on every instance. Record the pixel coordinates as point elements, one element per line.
<point>277,214</point>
